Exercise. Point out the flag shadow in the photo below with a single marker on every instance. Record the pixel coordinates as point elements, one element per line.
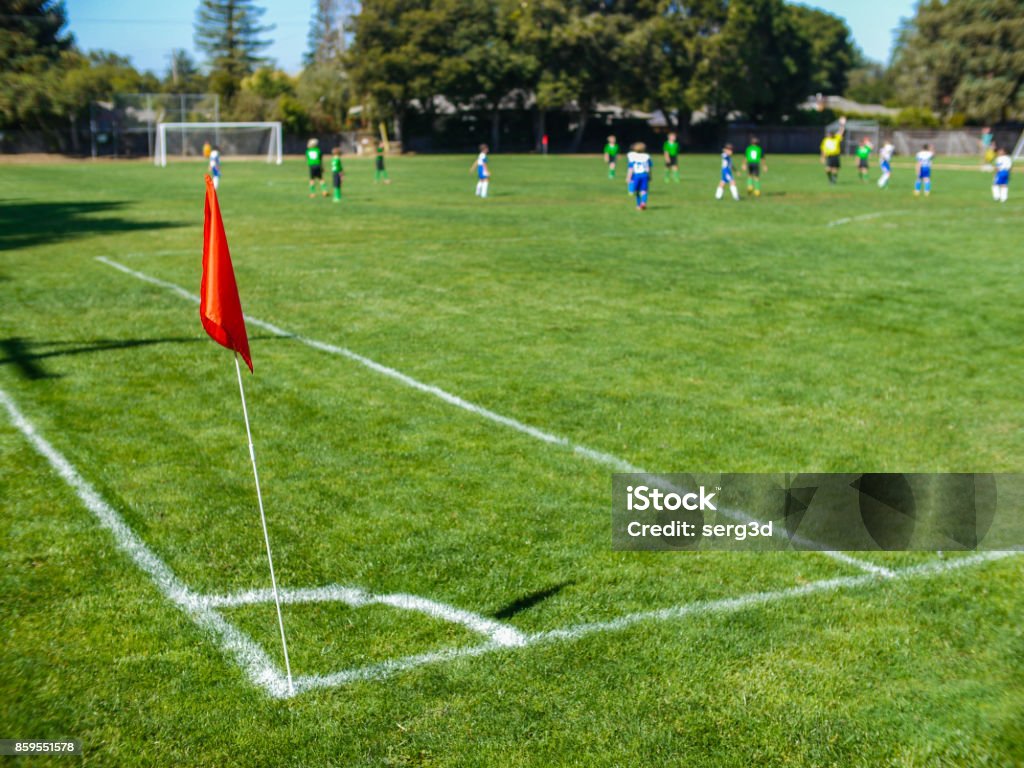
<point>24,224</point>
<point>25,354</point>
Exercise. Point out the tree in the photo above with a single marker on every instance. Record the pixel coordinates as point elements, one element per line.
<point>229,33</point>
<point>32,45</point>
<point>183,75</point>
<point>833,53</point>
<point>396,55</point>
<point>327,32</point>
<point>660,54</point>
<point>963,56</point>
<point>758,63</point>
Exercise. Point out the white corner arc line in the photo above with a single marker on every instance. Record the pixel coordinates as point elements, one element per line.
<point>607,459</point>
<point>572,633</point>
<point>498,633</point>
<point>250,657</point>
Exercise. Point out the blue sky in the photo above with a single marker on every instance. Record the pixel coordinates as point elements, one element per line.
<point>146,32</point>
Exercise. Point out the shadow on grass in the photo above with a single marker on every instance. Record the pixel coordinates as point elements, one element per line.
<point>528,601</point>
<point>25,355</point>
<point>24,224</point>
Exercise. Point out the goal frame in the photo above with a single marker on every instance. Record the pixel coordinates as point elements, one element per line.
<point>274,150</point>
<point>1018,150</point>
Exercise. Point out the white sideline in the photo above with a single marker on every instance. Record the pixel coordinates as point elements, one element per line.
<point>863,217</point>
<point>262,671</point>
<point>250,656</point>
<point>498,633</point>
<point>607,459</point>
<point>700,608</point>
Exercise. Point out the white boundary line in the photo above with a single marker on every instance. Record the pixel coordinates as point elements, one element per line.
<point>863,217</point>
<point>700,608</point>
<point>250,656</point>
<point>262,671</point>
<point>614,462</point>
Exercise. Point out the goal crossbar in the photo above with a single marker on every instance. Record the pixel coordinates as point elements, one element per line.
<point>213,131</point>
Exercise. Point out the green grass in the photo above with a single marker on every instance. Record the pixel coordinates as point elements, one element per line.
<point>695,336</point>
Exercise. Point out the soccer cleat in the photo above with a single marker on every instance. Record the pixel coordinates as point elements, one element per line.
<point>757,193</point>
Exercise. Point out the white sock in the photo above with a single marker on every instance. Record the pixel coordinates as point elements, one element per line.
<point>718,193</point>
<point>479,184</point>
<point>995,193</point>
<point>884,178</point>
<point>216,182</point>
<point>735,192</point>
<point>1004,192</point>
<point>483,188</point>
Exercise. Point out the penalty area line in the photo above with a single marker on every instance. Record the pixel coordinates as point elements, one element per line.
<point>599,457</point>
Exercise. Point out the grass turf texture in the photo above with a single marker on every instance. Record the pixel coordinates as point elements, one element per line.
<point>697,335</point>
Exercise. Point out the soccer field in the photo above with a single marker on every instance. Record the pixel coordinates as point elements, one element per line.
<point>443,387</point>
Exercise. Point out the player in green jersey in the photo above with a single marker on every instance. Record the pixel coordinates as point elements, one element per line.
<point>336,171</point>
<point>380,174</point>
<point>863,153</point>
<point>611,151</point>
<point>671,151</point>
<point>314,161</point>
<point>753,164</point>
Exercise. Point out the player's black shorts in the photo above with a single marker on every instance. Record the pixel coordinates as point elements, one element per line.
<point>832,161</point>
<point>316,172</point>
<point>336,178</point>
<point>611,159</point>
<point>380,163</point>
<point>754,169</point>
<point>862,162</point>
<point>672,162</point>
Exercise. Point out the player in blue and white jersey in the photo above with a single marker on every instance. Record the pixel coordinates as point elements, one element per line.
<point>885,163</point>
<point>1001,182</point>
<point>483,173</point>
<point>639,174</point>
<point>215,167</point>
<point>727,175</point>
<point>924,170</point>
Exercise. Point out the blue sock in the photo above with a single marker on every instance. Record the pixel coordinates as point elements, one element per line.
<point>643,198</point>
<point>927,185</point>
<point>917,185</point>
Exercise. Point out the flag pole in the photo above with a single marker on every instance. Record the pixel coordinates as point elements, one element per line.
<point>263,519</point>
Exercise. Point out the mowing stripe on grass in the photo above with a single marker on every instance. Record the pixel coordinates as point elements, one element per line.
<point>250,656</point>
<point>619,465</point>
<point>498,633</point>
<point>701,608</point>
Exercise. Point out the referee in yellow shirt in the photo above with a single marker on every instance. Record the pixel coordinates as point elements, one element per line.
<point>831,149</point>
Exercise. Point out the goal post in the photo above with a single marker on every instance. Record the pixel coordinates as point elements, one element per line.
<point>232,139</point>
<point>1018,150</point>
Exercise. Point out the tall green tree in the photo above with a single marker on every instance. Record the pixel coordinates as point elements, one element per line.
<point>757,64</point>
<point>397,53</point>
<point>963,56</point>
<point>833,53</point>
<point>230,34</point>
<point>32,45</point>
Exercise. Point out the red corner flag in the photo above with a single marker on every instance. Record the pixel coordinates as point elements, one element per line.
<point>219,307</point>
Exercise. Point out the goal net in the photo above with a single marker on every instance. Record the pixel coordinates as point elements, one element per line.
<point>186,140</point>
<point>856,132</point>
<point>946,142</point>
